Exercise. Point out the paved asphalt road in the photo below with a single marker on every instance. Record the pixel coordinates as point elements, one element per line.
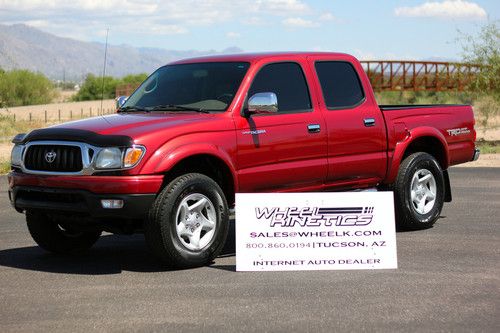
<point>448,280</point>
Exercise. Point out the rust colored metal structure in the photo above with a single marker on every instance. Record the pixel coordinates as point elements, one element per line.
<point>395,75</point>
<point>125,89</point>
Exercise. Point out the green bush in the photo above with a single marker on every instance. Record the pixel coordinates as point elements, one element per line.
<point>134,79</point>
<point>92,88</point>
<point>22,87</point>
<point>484,49</point>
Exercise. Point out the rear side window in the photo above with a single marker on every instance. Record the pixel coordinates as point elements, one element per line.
<point>287,81</point>
<point>340,84</point>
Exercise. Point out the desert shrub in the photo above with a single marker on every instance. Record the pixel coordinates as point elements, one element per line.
<point>92,88</point>
<point>486,108</point>
<point>21,87</point>
<point>484,49</point>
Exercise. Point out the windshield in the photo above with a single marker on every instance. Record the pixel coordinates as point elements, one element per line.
<point>194,87</point>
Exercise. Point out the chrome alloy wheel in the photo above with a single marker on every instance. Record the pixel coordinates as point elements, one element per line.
<point>423,191</point>
<point>196,221</point>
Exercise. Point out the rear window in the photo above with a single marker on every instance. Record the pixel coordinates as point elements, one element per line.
<point>340,84</point>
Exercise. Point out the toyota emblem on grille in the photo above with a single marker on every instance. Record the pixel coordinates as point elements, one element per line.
<point>50,156</point>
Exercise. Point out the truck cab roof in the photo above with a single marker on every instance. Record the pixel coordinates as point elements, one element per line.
<point>254,57</point>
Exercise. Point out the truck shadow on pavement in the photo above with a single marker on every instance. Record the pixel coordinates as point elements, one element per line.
<point>112,254</point>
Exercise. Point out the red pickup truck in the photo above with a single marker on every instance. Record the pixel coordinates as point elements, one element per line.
<point>169,162</point>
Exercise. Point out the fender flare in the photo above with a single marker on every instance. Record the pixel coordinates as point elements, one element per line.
<point>179,153</point>
<point>412,136</point>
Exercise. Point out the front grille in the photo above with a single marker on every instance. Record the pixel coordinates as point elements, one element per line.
<point>55,158</point>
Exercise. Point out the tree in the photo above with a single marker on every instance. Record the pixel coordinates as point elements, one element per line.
<point>134,79</point>
<point>484,49</point>
<point>92,88</point>
<point>22,87</point>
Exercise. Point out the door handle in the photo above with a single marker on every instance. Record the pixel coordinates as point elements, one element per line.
<point>369,122</point>
<point>313,128</point>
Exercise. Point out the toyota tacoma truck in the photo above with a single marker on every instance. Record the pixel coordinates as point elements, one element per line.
<point>195,132</point>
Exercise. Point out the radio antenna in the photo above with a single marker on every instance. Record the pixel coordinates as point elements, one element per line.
<point>104,68</point>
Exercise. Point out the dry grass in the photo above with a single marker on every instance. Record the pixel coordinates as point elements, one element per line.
<point>9,128</point>
<point>59,111</point>
<point>4,167</point>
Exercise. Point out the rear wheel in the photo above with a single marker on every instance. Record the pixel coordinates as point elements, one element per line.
<point>418,192</point>
<point>188,223</point>
<point>56,238</point>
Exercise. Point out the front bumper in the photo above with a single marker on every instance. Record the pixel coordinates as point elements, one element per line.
<point>82,195</point>
<point>82,203</point>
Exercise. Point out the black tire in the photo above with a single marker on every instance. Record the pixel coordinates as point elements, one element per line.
<point>50,236</point>
<point>161,229</point>
<point>410,215</point>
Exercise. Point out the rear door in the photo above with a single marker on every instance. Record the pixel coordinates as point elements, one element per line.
<point>287,149</point>
<point>355,126</point>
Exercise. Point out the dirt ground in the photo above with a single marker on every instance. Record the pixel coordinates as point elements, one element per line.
<point>72,110</point>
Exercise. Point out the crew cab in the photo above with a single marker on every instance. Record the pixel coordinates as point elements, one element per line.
<point>171,159</point>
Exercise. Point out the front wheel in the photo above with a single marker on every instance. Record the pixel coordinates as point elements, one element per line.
<point>57,238</point>
<point>418,192</point>
<point>189,221</point>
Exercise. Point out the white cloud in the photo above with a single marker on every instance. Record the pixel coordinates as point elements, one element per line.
<point>113,6</point>
<point>232,34</point>
<point>445,9</point>
<point>254,20</point>
<point>282,6</point>
<point>82,19</point>
<point>298,22</point>
<point>327,17</point>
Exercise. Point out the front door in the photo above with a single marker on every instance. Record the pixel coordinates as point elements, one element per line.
<point>287,149</point>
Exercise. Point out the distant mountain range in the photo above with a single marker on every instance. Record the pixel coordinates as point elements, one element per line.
<point>24,47</point>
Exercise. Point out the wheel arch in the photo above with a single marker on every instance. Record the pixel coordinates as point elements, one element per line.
<point>208,162</point>
<point>426,139</point>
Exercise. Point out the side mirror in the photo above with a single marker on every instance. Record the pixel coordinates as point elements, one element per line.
<point>262,103</point>
<point>120,100</point>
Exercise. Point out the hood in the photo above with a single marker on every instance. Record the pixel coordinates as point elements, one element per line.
<point>151,129</point>
<point>138,126</point>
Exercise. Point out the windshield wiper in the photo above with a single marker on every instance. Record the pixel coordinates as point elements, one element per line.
<point>173,107</point>
<point>132,109</point>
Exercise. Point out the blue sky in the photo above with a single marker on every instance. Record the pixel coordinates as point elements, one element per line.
<point>408,29</point>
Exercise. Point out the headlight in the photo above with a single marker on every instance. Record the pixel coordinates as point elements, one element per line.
<point>116,158</point>
<point>16,156</point>
<point>109,158</point>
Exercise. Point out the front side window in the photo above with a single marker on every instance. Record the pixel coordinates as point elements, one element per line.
<point>340,84</point>
<point>198,86</point>
<point>287,81</point>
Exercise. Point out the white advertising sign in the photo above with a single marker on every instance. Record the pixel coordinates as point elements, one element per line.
<point>315,231</point>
